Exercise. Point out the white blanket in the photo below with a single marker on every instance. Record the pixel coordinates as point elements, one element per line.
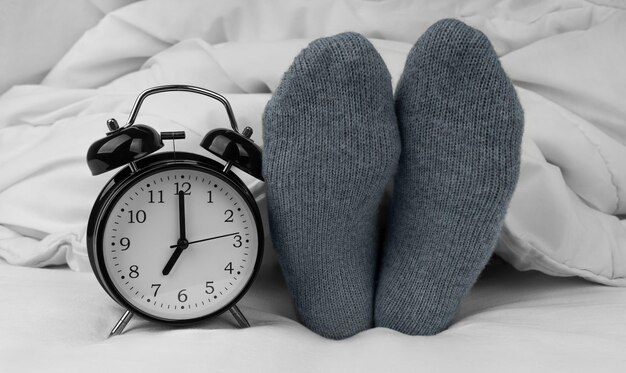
<point>565,58</point>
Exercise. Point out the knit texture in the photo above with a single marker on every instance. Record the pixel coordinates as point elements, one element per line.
<point>461,127</point>
<point>331,143</point>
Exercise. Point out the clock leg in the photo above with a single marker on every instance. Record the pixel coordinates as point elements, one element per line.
<point>241,319</point>
<point>121,324</point>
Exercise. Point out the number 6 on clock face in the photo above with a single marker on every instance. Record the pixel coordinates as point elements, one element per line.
<point>176,241</point>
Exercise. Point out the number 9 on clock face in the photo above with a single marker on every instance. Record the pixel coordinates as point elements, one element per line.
<point>177,242</point>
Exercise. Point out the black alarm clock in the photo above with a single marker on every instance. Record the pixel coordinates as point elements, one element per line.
<point>175,237</point>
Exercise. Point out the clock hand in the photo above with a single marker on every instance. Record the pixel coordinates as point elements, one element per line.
<point>182,245</point>
<point>178,245</point>
<point>173,259</point>
<point>182,241</point>
<point>181,215</point>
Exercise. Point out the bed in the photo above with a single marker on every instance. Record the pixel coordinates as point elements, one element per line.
<point>555,303</point>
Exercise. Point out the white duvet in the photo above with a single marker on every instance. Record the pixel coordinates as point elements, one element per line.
<point>566,59</point>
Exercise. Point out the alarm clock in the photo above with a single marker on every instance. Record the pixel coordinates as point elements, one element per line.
<point>175,237</point>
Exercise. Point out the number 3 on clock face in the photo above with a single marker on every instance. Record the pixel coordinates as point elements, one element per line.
<point>178,243</point>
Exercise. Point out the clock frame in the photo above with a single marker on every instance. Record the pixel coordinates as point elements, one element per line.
<point>124,180</point>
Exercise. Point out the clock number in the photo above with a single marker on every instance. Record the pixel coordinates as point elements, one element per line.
<point>229,268</point>
<point>134,271</point>
<point>237,241</point>
<point>210,197</point>
<point>158,286</point>
<point>139,216</point>
<point>160,192</point>
<point>185,187</point>
<point>229,213</point>
<point>125,242</point>
<point>182,297</point>
<point>209,287</point>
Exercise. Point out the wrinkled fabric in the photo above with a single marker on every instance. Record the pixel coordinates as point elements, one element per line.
<point>564,57</point>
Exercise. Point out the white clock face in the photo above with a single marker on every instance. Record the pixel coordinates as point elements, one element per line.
<point>180,256</point>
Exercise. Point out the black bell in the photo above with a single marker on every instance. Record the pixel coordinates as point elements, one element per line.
<point>236,148</point>
<point>122,146</point>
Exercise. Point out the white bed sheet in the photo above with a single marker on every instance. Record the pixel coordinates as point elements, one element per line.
<point>57,320</point>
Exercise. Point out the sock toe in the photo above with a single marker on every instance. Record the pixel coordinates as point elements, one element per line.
<point>331,145</point>
<point>461,127</point>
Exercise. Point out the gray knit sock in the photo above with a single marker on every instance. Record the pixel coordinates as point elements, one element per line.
<point>331,143</point>
<point>461,128</point>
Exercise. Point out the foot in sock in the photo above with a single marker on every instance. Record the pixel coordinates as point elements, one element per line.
<point>461,128</point>
<point>331,144</point>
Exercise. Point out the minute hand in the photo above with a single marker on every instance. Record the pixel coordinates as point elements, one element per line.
<point>208,239</point>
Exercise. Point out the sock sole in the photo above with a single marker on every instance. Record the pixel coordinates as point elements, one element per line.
<point>331,145</point>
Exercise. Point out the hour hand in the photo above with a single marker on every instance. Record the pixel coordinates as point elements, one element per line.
<point>172,261</point>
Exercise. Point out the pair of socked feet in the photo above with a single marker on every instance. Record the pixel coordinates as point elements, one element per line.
<point>334,136</point>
